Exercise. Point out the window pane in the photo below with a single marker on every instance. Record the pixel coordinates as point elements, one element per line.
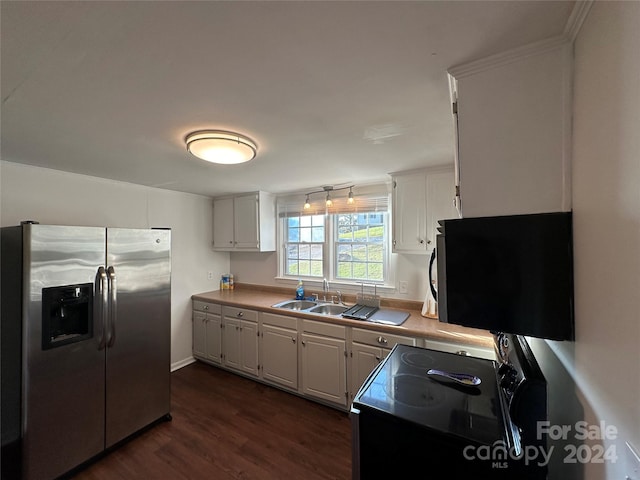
<point>292,267</point>
<point>293,235</point>
<point>293,222</point>
<point>360,270</point>
<point>375,253</point>
<point>316,252</point>
<point>344,253</point>
<point>305,267</point>
<point>292,251</point>
<point>345,234</point>
<point>375,271</point>
<point>316,268</point>
<point>305,234</point>
<point>305,251</point>
<point>344,270</point>
<point>360,252</point>
<point>305,221</point>
<point>317,234</point>
<point>317,220</point>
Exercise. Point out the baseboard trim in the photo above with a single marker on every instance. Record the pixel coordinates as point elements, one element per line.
<point>182,363</point>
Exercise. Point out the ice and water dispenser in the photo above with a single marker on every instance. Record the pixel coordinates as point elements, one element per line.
<point>67,314</point>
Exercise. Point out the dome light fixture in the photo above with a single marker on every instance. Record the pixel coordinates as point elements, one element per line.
<point>221,146</point>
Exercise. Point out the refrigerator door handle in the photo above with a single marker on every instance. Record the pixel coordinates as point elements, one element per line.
<point>111,332</point>
<point>101,308</point>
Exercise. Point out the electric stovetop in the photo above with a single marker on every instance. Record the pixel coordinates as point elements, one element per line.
<point>400,387</point>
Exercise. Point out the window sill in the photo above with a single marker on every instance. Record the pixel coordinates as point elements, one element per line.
<point>342,285</point>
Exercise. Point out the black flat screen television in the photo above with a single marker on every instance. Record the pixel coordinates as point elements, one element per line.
<point>511,274</point>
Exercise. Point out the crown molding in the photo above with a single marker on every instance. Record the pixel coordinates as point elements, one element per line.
<point>574,23</point>
<point>576,19</point>
<point>508,56</point>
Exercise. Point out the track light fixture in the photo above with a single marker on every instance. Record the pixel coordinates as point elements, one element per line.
<point>328,190</point>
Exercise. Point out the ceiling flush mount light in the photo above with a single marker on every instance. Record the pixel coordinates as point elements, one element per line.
<point>221,146</point>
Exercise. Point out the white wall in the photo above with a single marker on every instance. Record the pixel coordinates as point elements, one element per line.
<point>604,361</point>
<point>262,268</point>
<point>49,196</point>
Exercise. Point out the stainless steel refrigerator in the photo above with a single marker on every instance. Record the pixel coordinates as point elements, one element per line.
<point>85,342</point>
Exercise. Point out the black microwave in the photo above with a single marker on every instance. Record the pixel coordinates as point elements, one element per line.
<point>510,274</point>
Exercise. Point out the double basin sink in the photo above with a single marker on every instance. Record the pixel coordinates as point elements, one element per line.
<point>311,306</point>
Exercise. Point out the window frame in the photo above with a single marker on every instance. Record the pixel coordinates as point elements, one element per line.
<point>330,255</point>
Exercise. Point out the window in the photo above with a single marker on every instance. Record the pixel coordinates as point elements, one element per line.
<point>305,245</point>
<point>360,246</point>
<point>350,246</point>
<point>345,243</point>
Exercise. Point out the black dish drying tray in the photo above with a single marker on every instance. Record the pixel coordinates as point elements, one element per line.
<point>360,312</point>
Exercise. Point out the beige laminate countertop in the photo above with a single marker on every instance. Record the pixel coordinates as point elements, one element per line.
<point>262,298</point>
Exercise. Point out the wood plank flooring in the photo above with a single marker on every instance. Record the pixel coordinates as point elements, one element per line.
<point>228,427</point>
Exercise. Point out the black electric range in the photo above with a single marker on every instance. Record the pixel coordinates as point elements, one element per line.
<point>405,421</point>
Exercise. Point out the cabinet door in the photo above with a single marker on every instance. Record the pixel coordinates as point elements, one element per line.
<point>409,213</point>
<point>199,335</point>
<point>223,223</point>
<point>440,202</point>
<point>231,343</point>
<point>246,225</point>
<point>514,133</point>
<point>364,359</point>
<point>249,347</point>
<point>324,368</point>
<point>280,356</point>
<point>207,341</point>
<point>213,338</point>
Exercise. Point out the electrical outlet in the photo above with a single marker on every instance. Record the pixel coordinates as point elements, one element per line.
<point>404,286</point>
<point>209,275</point>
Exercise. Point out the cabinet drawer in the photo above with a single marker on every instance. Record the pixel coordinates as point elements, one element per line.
<point>327,329</point>
<point>280,321</point>
<point>240,313</point>
<point>380,339</point>
<point>206,307</point>
<point>471,350</point>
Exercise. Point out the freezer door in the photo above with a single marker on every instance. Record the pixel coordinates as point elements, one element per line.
<point>63,365</point>
<point>138,337</point>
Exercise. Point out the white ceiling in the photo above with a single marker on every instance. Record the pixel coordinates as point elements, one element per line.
<point>332,91</point>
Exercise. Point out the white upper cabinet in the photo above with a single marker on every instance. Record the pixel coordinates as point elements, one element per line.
<point>245,222</point>
<point>513,117</point>
<point>420,199</point>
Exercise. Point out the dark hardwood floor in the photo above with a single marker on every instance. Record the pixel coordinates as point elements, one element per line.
<point>228,427</point>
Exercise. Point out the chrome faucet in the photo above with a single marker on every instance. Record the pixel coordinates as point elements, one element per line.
<point>339,294</point>
<point>325,288</point>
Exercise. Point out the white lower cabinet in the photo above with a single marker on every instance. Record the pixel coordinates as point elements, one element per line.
<point>323,360</point>
<point>279,352</point>
<point>240,340</point>
<point>368,349</point>
<point>207,332</point>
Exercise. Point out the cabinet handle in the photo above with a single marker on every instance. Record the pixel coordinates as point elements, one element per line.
<point>428,242</point>
<point>378,358</point>
<point>206,307</point>
<point>240,314</point>
<point>421,241</point>
<point>382,340</point>
<point>293,339</point>
<point>462,352</point>
<point>303,344</point>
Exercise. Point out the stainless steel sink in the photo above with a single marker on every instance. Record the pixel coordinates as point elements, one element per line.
<point>310,306</point>
<point>328,309</point>
<point>296,304</point>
